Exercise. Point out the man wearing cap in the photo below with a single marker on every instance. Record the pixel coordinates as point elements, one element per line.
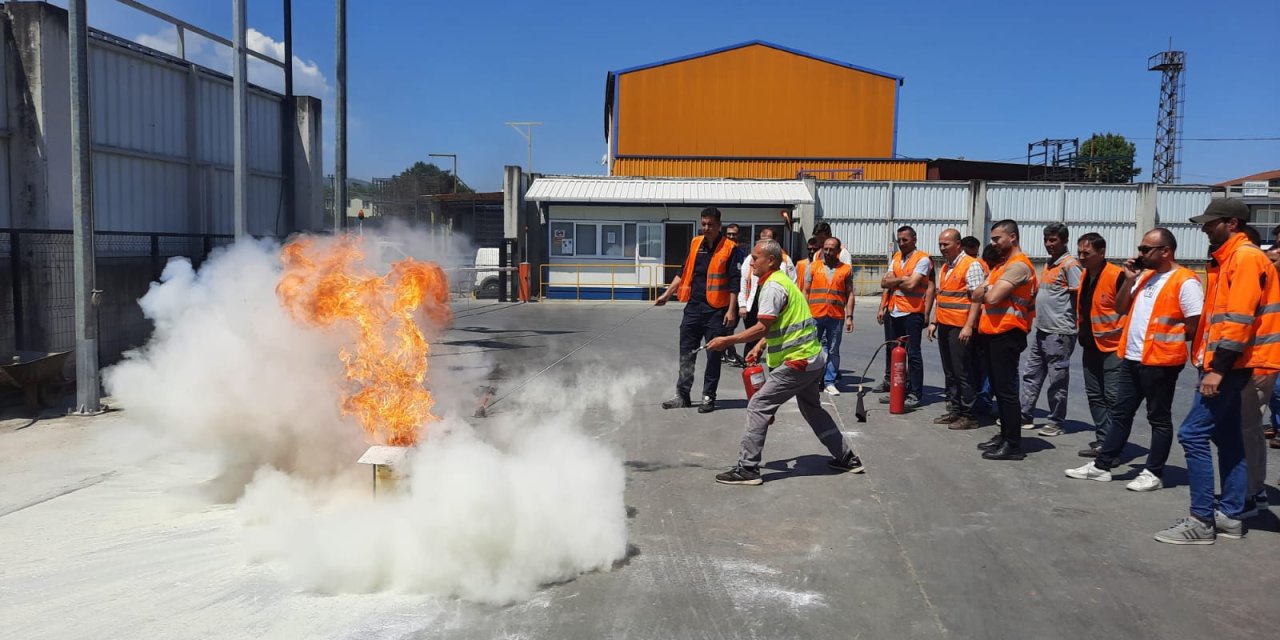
<point>1240,332</point>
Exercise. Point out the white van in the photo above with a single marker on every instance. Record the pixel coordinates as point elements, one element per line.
<point>486,282</point>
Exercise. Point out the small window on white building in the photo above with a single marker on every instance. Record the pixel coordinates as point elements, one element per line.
<point>611,240</point>
<point>562,238</point>
<point>586,239</point>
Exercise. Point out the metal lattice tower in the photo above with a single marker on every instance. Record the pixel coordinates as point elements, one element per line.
<point>1166,168</point>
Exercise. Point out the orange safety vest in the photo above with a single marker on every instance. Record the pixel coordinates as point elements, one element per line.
<point>1107,324</point>
<point>1015,311</point>
<point>1244,315</point>
<point>908,300</point>
<point>1164,342</point>
<point>953,293</point>
<point>718,294</point>
<point>828,298</point>
<point>800,269</point>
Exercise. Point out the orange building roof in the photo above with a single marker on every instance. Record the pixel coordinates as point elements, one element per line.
<point>1265,175</point>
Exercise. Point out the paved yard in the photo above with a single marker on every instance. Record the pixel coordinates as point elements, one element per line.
<point>100,537</point>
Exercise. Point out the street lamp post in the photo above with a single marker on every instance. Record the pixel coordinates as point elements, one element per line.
<point>527,132</point>
<point>455,166</point>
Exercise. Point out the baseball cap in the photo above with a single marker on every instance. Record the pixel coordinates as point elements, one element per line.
<point>1223,208</point>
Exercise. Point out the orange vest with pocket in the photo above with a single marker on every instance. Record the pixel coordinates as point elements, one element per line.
<point>1164,342</point>
<point>908,300</point>
<point>1106,323</point>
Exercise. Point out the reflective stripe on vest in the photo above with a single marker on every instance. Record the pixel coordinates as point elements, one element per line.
<point>1015,311</point>
<point>953,293</point>
<point>718,275</point>
<point>1107,325</point>
<point>908,300</point>
<point>794,333</point>
<point>827,299</point>
<point>1165,339</point>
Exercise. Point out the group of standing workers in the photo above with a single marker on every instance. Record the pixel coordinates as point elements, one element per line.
<point>1137,325</point>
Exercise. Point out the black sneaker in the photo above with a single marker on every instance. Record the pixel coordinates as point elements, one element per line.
<point>678,402</point>
<point>883,387</point>
<point>912,403</point>
<point>708,405</point>
<point>851,464</point>
<point>993,443</point>
<point>1090,451</point>
<point>739,475</point>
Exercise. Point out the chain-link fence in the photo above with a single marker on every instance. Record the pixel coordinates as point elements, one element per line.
<point>37,297</point>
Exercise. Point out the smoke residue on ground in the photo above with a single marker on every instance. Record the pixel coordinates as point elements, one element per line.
<point>489,511</point>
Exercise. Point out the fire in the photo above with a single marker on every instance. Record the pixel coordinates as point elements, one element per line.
<point>327,285</point>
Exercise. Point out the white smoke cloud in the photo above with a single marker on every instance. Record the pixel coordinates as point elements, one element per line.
<point>488,512</point>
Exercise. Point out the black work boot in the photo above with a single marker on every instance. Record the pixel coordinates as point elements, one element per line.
<point>993,443</point>
<point>681,401</point>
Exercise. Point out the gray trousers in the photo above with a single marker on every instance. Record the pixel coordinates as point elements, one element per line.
<point>783,384</point>
<point>1048,361</point>
<point>1257,392</point>
<point>1101,377</point>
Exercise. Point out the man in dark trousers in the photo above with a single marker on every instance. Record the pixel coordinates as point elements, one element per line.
<point>1008,299</point>
<point>708,285</point>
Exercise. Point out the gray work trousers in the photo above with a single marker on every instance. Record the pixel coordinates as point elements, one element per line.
<point>1048,361</point>
<point>1256,395</point>
<point>783,384</point>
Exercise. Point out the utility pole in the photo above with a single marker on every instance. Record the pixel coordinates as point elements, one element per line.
<point>340,123</point>
<point>88,400</point>
<point>455,166</point>
<point>239,122</point>
<point>527,132</point>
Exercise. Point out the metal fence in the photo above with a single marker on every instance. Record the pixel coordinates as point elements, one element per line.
<point>36,286</point>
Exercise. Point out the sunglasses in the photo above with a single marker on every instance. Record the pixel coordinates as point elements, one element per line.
<point>1144,248</point>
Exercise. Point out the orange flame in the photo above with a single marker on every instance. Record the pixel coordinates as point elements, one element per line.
<point>327,285</point>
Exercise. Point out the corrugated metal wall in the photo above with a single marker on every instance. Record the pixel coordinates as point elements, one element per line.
<point>865,215</point>
<point>6,218</point>
<point>755,102</point>
<point>769,169</point>
<point>153,147</point>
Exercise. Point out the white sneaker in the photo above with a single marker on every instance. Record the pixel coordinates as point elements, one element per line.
<point>1089,472</point>
<point>1146,481</point>
<point>832,390</point>
<point>1029,426</point>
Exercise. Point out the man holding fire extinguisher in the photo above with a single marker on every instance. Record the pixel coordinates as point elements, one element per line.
<point>796,361</point>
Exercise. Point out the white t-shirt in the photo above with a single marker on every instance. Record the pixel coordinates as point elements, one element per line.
<point>923,268</point>
<point>1190,299</point>
<point>750,282</point>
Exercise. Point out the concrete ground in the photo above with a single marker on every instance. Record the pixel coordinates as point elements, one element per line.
<point>931,542</point>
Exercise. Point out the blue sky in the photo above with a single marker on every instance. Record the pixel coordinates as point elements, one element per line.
<point>982,78</point>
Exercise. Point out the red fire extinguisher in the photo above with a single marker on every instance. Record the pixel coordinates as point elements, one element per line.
<point>898,378</point>
<point>753,379</point>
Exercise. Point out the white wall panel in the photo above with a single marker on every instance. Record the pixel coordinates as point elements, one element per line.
<point>931,201</point>
<point>1178,204</point>
<point>849,200</point>
<point>1193,245</point>
<point>137,194</point>
<point>1101,203</point>
<point>1024,202</point>
<point>137,103</point>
